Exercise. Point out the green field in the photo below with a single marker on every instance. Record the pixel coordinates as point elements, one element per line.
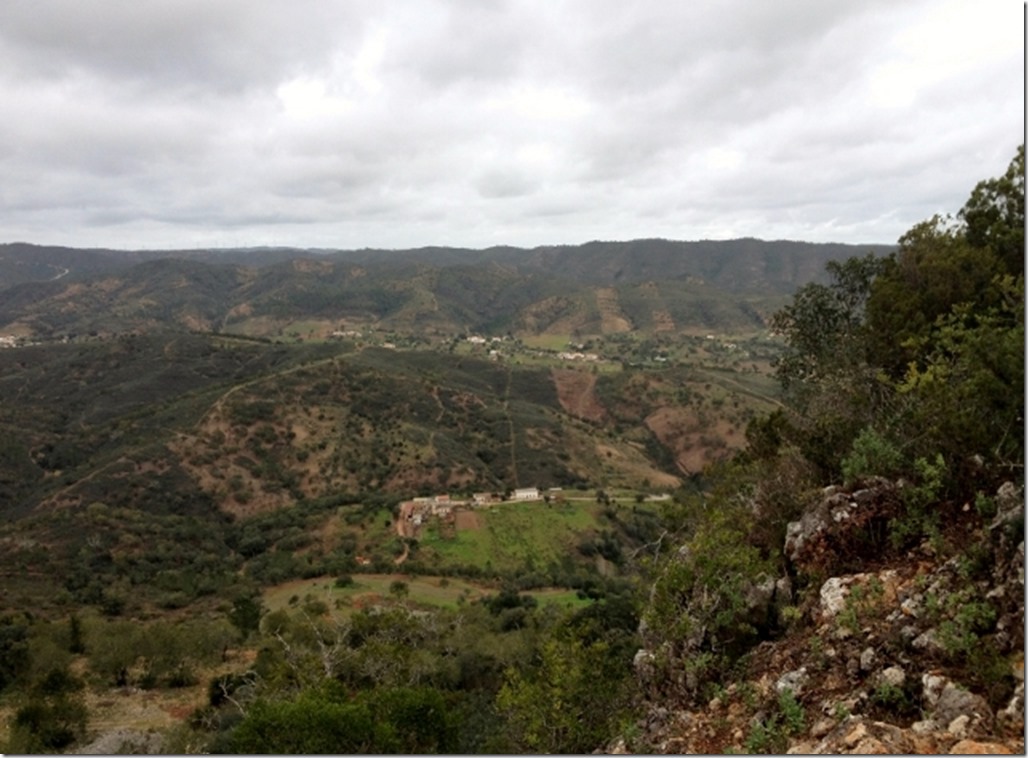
<point>511,536</point>
<point>439,592</point>
<point>547,341</point>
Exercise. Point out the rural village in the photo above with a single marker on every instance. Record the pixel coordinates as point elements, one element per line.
<point>417,512</point>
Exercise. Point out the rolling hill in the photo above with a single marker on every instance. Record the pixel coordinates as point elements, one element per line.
<point>594,289</point>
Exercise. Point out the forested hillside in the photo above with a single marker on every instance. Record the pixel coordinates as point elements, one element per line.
<point>854,581</point>
<point>644,286</point>
<point>741,265</point>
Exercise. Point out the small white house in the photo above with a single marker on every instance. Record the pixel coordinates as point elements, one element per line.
<point>527,493</point>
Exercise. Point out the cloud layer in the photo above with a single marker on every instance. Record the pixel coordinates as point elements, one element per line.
<point>525,122</point>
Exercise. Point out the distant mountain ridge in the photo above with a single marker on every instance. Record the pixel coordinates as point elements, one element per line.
<point>745,264</point>
<point>595,288</point>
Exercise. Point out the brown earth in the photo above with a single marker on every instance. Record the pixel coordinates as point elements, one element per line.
<point>694,441</point>
<point>612,318</point>
<point>468,520</point>
<point>576,391</point>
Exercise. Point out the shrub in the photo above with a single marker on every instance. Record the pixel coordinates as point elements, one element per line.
<point>871,455</point>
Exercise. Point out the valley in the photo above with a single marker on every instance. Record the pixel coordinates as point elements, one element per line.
<point>417,501</point>
<point>191,444</point>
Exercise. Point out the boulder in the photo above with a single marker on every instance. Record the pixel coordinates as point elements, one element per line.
<point>972,747</point>
<point>946,702</point>
<point>827,534</point>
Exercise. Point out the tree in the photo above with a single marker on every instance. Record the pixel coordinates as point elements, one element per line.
<point>14,651</point>
<point>311,724</point>
<point>827,374</point>
<point>52,718</point>
<point>935,269</point>
<point>114,649</point>
<point>76,643</point>
<point>415,720</point>
<point>966,396</point>
<point>823,326</point>
<point>246,614</point>
<point>868,350</point>
<point>570,703</point>
<point>326,721</point>
<point>994,216</point>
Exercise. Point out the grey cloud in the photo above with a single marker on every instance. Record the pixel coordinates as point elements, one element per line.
<point>504,184</point>
<point>509,121</point>
<point>222,46</point>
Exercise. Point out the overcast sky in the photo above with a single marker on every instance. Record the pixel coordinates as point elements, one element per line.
<point>189,123</point>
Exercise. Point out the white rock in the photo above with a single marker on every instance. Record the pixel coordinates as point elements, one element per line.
<point>958,726</point>
<point>894,676</point>
<point>833,595</point>
<point>793,680</point>
<point>924,727</point>
<point>933,686</point>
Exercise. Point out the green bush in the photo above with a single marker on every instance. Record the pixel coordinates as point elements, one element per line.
<point>871,455</point>
<point>700,600</point>
<point>53,717</point>
<point>309,725</point>
<point>395,720</point>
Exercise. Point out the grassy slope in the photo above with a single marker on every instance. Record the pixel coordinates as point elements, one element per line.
<point>510,536</point>
<point>431,591</point>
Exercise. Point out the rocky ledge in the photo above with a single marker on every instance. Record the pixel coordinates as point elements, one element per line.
<point>919,652</point>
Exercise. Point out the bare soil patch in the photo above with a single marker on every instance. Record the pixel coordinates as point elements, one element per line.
<point>612,318</point>
<point>468,520</point>
<point>694,443</point>
<point>576,391</point>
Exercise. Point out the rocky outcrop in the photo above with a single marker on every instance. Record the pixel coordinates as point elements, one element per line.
<point>919,652</point>
<point>838,530</point>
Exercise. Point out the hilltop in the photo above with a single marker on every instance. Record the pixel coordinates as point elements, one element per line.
<point>599,288</point>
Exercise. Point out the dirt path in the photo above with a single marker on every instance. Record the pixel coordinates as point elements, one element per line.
<point>403,532</point>
<point>218,404</point>
<point>53,500</point>
<point>510,427</point>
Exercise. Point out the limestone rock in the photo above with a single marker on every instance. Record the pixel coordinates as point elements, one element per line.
<point>893,676</point>
<point>794,681</point>
<point>1011,718</point>
<point>867,659</point>
<point>1009,505</point>
<point>857,735</point>
<point>955,702</point>
<point>833,595</point>
<point>833,521</point>
<point>971,747</point>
